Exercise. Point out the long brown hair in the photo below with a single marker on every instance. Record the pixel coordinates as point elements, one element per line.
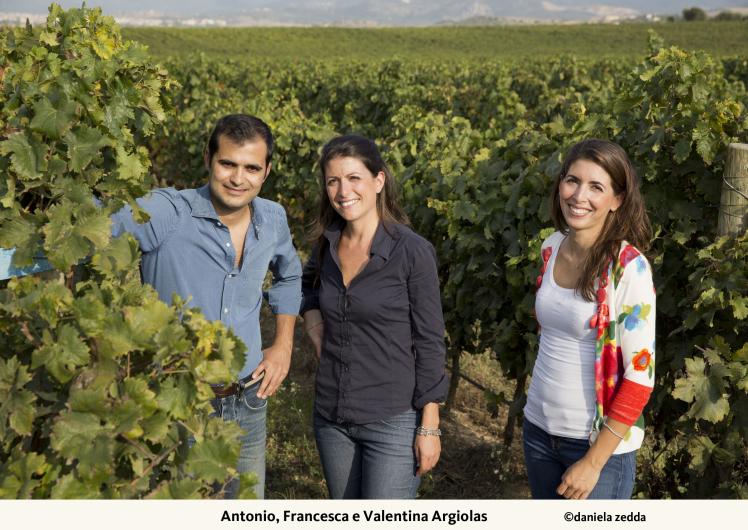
<point>364,150</point>
<point>628,222</point>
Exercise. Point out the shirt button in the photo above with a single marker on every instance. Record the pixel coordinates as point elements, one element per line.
<point>228,244</point>
<point>225,309</point>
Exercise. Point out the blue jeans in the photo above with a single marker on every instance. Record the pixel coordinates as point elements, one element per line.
<point>547,457</point>
<point>249,411</point>
<point>371,460</point>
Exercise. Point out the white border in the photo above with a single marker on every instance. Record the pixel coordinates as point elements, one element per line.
<point>498,514</point>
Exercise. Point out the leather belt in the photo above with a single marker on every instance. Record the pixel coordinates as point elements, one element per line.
<point>224,391</point>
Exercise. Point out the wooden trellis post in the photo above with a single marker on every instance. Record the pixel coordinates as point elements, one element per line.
<point>733,208</point>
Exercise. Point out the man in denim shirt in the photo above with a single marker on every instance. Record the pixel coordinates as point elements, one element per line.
<point>214,245</point>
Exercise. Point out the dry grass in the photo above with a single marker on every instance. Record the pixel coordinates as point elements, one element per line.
<point>475,464</point>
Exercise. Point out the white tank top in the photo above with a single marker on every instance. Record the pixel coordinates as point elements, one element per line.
<point>561,398</point>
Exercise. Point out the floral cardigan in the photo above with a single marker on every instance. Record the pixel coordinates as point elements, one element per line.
<point>625,345</point>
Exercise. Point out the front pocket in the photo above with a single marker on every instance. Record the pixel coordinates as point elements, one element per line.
<point>251,401</point>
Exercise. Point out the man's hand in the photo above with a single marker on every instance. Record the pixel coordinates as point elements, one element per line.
<point>579,479</point>
<point>275,364</point>
<point>428,449</point>
<point>276,359</point>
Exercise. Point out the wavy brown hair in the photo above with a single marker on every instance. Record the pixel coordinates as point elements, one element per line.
<point>629,222</point>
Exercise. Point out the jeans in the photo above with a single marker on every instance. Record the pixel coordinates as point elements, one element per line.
<point>547,457</point>
<point>370,460</point>
<point>249,411</point>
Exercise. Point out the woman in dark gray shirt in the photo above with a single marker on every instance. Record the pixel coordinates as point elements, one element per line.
<point>372,309</point>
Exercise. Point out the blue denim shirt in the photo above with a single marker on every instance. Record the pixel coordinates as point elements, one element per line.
<point>187,250</point>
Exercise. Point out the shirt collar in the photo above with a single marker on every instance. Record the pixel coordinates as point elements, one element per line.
<point>202,206</point>
<point>382,244</point>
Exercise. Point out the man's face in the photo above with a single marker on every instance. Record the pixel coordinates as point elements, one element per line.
<point>236,173</point>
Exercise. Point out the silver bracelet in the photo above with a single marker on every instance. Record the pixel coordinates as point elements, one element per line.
<point>605,424</point>
<point>423,431</point>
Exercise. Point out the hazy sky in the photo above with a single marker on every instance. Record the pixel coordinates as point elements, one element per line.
<point>400,12</point>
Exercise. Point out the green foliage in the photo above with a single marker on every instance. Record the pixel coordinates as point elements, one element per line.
<point>729,15</point>
<point>101,384</point>
<point>694,13</point>
<point>476,148</point>
<point>77,102</point>
<point>706,441</point>
<point>438,44</point>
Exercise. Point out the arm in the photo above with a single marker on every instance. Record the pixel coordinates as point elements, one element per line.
<point>580,478</point>
<point>276,359</point>
<point>149,234</point>
<point>427,327</point>
<point>427,323</point>
<point>428,447</point>
<point>7,270</point>
<point>313,320</point>
<point>635,307</point>
<point>161,207</point>
<point>284,297</point>
<point>314,326</point>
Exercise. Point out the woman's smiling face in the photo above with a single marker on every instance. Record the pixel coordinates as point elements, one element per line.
<point>586,196</point>
<point>352,189</point>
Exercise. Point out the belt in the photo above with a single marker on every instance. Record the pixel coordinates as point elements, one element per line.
<point>224,391</point>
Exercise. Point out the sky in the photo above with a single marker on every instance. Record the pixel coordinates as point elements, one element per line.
<point>383,12</point>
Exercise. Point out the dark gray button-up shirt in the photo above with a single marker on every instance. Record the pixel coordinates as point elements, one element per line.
<point>383,348</point>
<point>187,250</point>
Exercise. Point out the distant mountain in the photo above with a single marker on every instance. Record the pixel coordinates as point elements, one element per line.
<point>379,12</point>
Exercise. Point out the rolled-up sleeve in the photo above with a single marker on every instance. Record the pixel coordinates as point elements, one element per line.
<point>427,323</point>
<point>309,284</point>
<point>284,296</point>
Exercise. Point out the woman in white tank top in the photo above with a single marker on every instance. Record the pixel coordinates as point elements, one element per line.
<point>595,305</point>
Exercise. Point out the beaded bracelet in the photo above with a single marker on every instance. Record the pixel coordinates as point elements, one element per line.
<point>423,431</point>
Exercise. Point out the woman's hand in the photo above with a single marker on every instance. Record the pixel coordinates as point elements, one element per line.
<point>428,449</point>
<point>315,328</point>
<point>427,446</point>
<point>579,480</point>
<point>582,476</point>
